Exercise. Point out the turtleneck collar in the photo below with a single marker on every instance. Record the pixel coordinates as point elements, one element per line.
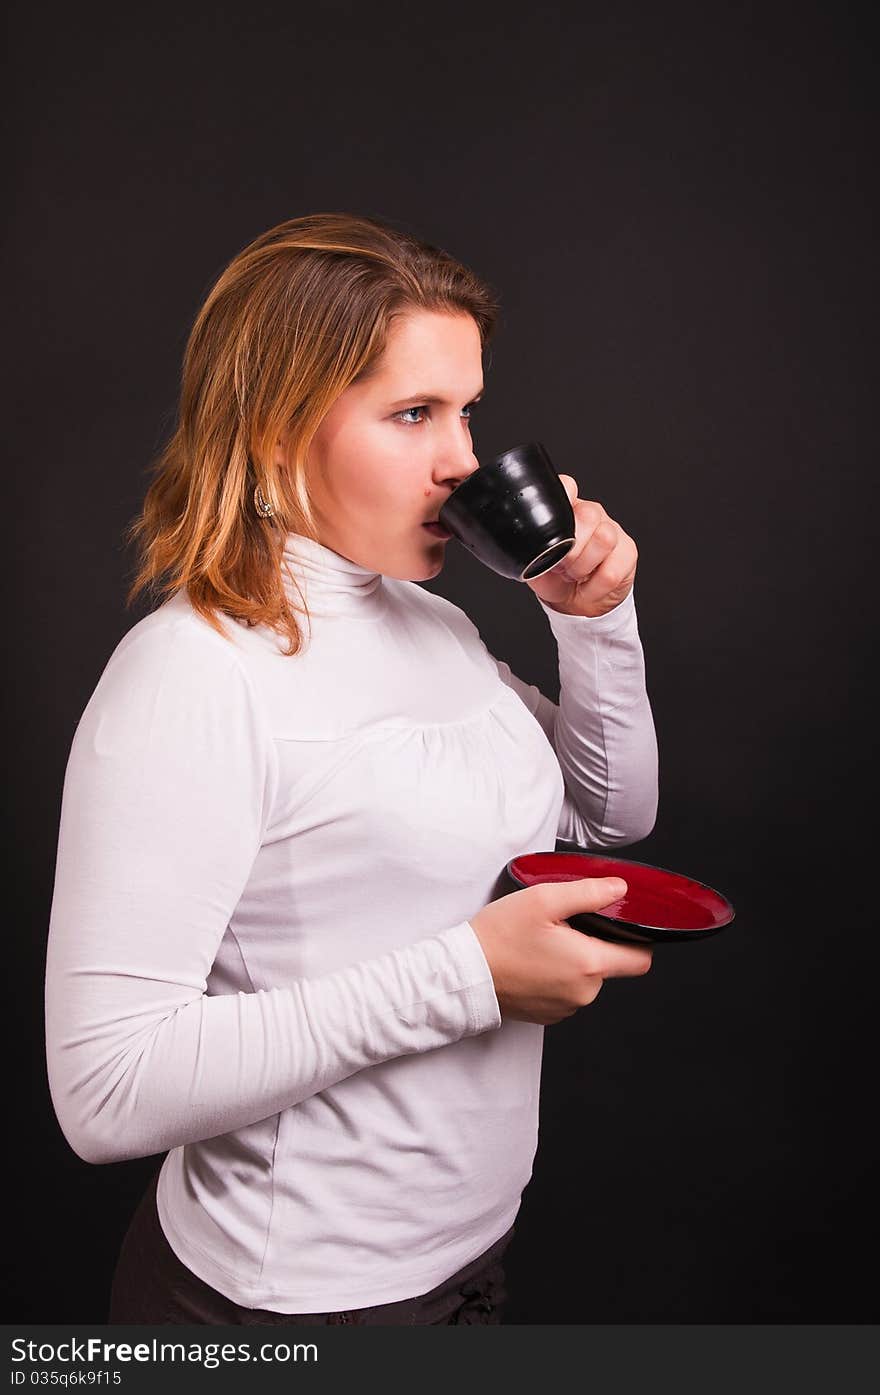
<point>331,584</point>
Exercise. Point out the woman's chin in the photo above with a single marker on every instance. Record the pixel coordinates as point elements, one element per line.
<point>425,571</point>
<point>432,565</point>
<point>421,566</point>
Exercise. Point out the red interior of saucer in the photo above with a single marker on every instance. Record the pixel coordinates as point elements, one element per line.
<point>654,898</point>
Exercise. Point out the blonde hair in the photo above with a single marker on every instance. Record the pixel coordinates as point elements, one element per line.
<point>297,316</point>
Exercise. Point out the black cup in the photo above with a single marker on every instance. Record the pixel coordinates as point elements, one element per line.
<point>513,513</point>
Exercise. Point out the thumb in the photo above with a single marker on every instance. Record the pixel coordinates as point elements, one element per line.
<point>585,894</point>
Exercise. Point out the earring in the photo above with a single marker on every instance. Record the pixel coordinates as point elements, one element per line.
<point>264,508</point>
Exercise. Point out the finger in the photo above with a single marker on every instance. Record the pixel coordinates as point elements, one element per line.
<point>596,549</point>
<point>620,961</point>
<point>570,485</point>
<point>615,571</point>
<point>584,894</point>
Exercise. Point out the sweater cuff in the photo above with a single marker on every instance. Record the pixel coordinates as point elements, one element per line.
<point>618,620</point>
<point>476,977</point>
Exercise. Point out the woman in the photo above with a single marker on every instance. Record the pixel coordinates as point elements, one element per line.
<point>274,952</point>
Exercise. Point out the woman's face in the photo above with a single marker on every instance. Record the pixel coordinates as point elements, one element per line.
<point>385,458</point>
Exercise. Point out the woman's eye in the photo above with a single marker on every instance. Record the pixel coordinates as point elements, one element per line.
<point>404,414</point>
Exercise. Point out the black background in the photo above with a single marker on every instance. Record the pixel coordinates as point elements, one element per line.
<point>675,204</point>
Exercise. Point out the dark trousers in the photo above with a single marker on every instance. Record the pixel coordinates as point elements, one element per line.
<point>151,1285</point>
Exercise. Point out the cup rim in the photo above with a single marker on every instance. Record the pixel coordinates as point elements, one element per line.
<point>552,548</point>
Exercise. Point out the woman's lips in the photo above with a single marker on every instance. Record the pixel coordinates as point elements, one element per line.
<point>437,531</point>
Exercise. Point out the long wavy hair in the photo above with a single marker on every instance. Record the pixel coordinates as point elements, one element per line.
<point>297,316</point>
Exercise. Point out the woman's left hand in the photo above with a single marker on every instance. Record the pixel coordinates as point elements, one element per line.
<point>598,572</point>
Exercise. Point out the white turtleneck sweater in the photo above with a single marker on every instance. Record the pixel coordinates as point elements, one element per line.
<point>260,959</point>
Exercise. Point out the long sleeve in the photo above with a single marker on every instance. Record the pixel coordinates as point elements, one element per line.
<point>602,729</point>
<point>165,804</point>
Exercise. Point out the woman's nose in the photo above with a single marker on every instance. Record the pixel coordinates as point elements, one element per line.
<point>454,466</point>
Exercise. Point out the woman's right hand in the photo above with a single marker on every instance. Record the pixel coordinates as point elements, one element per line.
<point>543,970</point>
